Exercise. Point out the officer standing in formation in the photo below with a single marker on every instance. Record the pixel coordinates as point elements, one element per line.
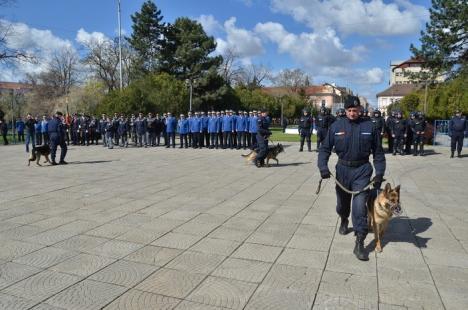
<point>399,130</point>
<point>379,123</point>
<point>305,129</point>
<point>324,121</point>
<point>457,128</point>
<point>354,140</point>
<point>56,131</point>
<point>417,128</point>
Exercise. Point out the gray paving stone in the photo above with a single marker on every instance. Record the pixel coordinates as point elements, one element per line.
<point>8,302</point>
<point>189,305</point>
<point>46,257</point>
<point>153,255</point>
<point>221,292</point>
<point>115,249</point>
<point>81,243</point>
<point>42,285</point>
<point>44,306</point>
<point>12,249</point>
<point>257,252</point>
<point>86,295</point>
<point>83,264</point>
<point>136,300</point>
<point>11,273</point>
<point>303,258</point>
<point>242,270</point>
<point>196,262</point>
<point>230,234</point>
<point>177,241</point>
<point>215,246</point>
<point>169,282</point>
<point>267,216</point>
<point>123,273</point>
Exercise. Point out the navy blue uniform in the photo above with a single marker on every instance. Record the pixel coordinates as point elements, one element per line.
<point>354,142</point>
<point>140,130</point>
<point>323,122</point>
<point>263,132</point>
<point>56,130</point>
<point>418,127</point>
<point>399,131</point>
<point>457,128</point>
<point>306,123</point>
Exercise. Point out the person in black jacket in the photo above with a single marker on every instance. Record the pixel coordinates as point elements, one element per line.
<point>4,130</point>
<point>263,132</point>
<point>30,126</point>
<point>306,123</point>
<point>457,128</point>
<point>56,130</point>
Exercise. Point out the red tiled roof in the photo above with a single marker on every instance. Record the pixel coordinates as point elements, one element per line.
<point>399,90</point>
<point>309,91</point>
<point>14,85</point>
<point>405,63</point>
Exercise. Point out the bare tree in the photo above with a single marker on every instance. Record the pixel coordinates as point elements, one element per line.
<point>103,60</point>
<point>230,69</point>
<point>252,76</point>
<point>292,78</point>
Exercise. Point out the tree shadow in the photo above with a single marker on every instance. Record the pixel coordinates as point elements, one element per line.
<point>463,156</point>
<point>404,229</point>
<point>431,152</point>
<point>89,162</point>
<point>273,165</point>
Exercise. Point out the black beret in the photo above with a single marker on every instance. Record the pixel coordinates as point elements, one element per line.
<point>352,102</point>
<point>59,113</point>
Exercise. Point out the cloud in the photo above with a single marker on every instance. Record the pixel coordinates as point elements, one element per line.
<point>243,42</point>
<point>86,38</point>
<point>372,17</point>
<point>311,50</point>
<point>210,24</point>
<point>41,43</point>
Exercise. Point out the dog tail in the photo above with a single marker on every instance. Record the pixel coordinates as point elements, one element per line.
<point>246,155</point>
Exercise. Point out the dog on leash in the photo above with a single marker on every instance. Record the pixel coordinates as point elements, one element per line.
<point>381,208</point>
<point>272,153</point>
<point>37,152</point>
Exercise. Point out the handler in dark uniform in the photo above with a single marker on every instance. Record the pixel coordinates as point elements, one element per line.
<point>457,127</point>
<point>354,139</point>
<point>263,133</point>
<point>305,129</point>
<point>56,130</point>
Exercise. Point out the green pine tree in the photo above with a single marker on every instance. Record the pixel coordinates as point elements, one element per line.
<point>148,36</point>
<point>444,43</point>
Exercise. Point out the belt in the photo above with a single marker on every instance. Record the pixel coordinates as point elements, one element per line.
<point>352,163</point>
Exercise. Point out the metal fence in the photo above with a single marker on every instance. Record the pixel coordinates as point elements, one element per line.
<point>441,136</point>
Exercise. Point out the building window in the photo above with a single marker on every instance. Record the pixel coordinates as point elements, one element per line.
<point>323,103</point>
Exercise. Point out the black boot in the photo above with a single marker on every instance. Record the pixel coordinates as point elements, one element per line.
<point>415,150</point>
<point>343,226</point>
<point>451,155</point>
<point>300,150</point>
<point>359,250</point>
<point>459,155</point>
<point>421,150</point>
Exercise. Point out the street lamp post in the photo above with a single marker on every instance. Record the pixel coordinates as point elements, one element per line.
<point>190,82</point>
<point>120,45</point>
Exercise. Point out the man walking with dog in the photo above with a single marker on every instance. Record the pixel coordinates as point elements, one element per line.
<point>56,131</point>
<point>263,132</point>
<point>354,140</point>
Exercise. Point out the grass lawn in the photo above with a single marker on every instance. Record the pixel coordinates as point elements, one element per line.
<point>278,135</point>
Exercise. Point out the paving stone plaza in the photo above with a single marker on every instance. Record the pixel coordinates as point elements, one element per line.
<point>200,229</point>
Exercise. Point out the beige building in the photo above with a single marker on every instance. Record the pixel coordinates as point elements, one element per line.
<point>393,94</point>
<point>326,95</point>
<point>400,71</point>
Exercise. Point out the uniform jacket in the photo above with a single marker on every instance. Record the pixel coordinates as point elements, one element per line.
<point>171,124</point>
<point>183,126</point>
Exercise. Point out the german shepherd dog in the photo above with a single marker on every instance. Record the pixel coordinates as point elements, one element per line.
<point>381,208</point>
<point>272,153</point>
<point>37,152</point>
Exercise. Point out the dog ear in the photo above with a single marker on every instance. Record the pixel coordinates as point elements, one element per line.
<point>397,189</point>
<point>387,188</point>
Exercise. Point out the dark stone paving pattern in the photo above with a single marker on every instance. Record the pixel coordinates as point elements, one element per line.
<point>200,229</point>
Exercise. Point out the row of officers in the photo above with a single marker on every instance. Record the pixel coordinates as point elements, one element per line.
<point>402,134</point>
<point>222,129</point>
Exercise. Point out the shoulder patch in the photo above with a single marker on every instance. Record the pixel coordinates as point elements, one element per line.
<point>339,133</point>
<point>366,133</point>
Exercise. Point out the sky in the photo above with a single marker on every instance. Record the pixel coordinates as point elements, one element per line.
<point>350,43</point>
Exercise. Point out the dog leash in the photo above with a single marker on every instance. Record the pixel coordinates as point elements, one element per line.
<point>344,188</point>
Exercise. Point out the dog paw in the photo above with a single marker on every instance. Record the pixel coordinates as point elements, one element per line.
<point>378,249</point>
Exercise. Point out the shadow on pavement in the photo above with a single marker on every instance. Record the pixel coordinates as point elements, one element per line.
<point>407,230</point>
<point>90,162</point>
<point>288,164</point>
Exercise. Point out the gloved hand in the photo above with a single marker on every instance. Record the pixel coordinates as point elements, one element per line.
<point>378,179</point>
<point>325,174</point>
